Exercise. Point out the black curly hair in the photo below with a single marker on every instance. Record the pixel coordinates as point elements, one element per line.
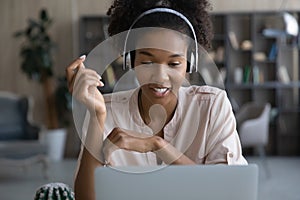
<point>122,14</point>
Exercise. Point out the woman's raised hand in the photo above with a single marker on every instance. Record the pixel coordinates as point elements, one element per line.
<point>83,83</point>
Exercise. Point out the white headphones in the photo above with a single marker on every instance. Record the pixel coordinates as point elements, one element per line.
<point>193,64</point>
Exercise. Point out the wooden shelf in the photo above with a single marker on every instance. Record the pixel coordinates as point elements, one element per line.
<point>284,97</point>
<point>265,61</point>
<point>266,85</point>
<point>262,36</point>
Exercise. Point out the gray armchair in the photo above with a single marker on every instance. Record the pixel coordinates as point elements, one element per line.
<point>253,125</point>
<point>253,128</point>
<point>19,138</point>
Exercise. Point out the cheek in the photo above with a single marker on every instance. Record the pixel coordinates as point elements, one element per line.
<point>141,75</point>
<point>178,78</point>
<point>181,73</point>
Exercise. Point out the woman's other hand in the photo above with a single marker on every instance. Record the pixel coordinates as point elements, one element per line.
<point>128,140</point>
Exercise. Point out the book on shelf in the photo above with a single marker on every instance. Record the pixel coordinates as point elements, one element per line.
<point>256,74</point>
<point>273,52</point>
<point>238,75</point>
<point>233,40</point>
<point>247,74</point>
<point>283,75</point>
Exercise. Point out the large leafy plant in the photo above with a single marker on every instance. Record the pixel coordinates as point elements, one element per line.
<point>36,51</point>
<point>37,63</point>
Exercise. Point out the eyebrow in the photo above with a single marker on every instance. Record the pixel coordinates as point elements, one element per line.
<point>151,55</point>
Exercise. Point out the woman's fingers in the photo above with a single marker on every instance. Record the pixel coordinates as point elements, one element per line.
<point>126,140</point>
<point>85,90</point>
<point>87,72</point>
<point>77,68</point>
<point>73,67</point>
<point>84,74</point>
<point>72,70</point>
<point>115,134</point>
<point>108,149</point>
<point>83,84</point>
<point>84,78</point>
<point>110,144</point>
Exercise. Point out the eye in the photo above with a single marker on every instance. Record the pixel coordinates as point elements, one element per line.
<point>146,62</point>
<point>174,64</point>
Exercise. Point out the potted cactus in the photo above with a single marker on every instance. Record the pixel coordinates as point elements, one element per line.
<point>54,191</point>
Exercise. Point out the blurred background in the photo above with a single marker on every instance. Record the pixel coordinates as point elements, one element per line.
<point>256,49</point>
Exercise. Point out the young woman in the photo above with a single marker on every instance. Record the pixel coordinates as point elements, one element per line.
<point>160,122</point>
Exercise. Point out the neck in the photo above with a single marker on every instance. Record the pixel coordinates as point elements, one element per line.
<point>152,113</point>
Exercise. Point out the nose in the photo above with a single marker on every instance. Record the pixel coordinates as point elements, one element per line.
<point>159,74</point>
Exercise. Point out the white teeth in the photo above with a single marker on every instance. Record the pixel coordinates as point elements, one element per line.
<point>160,90</point>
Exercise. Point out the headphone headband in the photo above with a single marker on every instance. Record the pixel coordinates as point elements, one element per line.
<point>164,10</point>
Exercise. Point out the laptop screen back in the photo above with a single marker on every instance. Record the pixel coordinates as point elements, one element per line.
<point>177,182</point>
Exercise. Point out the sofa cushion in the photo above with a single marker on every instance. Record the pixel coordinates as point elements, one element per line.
<point>13,118</point>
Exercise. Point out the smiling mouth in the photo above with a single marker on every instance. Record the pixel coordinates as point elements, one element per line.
<point>161,90</point>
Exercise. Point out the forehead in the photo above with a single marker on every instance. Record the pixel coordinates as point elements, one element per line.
<point>163,39</point>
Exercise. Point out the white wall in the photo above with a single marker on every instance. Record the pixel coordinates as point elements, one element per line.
<point>254,5</point>
<point>13,17</point>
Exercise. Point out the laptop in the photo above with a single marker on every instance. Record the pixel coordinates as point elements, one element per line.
<point>177,182</point>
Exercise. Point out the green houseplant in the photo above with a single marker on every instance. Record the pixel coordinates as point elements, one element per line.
<point>37,63</point>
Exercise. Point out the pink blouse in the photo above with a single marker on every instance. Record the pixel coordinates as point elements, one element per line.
<point>203,127</point>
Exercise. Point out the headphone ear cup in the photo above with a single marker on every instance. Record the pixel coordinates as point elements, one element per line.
<point>127,61</point>
<point>192,63</point>
<point>132,59</point>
